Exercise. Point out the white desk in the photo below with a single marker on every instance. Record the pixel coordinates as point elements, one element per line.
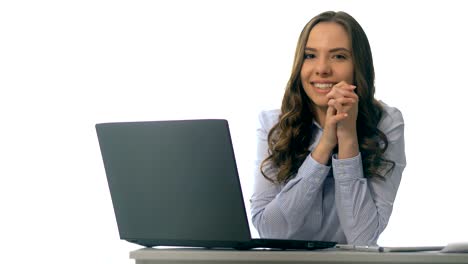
<point>199,256</point>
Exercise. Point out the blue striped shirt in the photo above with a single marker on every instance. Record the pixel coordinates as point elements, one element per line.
<point>333,203</point>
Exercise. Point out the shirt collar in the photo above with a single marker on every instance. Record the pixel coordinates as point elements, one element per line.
<point>315,123</point>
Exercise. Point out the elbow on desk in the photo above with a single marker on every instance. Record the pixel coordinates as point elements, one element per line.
<point>275,227</point>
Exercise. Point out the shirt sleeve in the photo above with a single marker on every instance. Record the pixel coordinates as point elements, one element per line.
<point>365,204</point>
<point>278,211</point>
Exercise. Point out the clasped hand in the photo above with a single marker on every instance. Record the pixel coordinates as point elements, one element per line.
<point>340,120</point>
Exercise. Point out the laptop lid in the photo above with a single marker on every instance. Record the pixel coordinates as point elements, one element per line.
<point>175,183</point>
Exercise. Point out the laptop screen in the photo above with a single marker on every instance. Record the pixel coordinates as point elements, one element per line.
<point>174,182</point>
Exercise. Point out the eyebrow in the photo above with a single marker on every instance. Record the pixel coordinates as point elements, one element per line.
<point>332,50</point>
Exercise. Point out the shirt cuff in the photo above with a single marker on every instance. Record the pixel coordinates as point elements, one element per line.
<point>347,168</point>
<point>313,171</point>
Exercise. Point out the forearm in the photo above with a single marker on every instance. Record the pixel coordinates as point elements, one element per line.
<point>322,153</point>
<point>281,215</point>
<point>358,214</point>
<point>357,210</point>
<point>348,145</point>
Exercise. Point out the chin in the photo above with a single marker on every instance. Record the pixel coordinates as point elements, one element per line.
<point>321,104</point>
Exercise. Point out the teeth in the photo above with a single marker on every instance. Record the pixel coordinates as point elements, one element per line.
<point>323,85</point>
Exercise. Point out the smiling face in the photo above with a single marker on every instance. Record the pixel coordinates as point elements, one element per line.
<point>327,61</point>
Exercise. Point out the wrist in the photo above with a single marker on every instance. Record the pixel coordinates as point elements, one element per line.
<point>346,134</point>
<point>322,153</point>
<point>348,148</point>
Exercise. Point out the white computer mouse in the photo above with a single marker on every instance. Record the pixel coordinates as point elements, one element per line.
<point>456,247</point>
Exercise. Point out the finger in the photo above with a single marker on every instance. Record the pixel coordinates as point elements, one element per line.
<point>337,93</point>
<point>345,101</point>
<point>339,117</point>
<point>348,105</point>
<point>330,117</point>
<point>334,103</point>
<point>339,106</point>
<point>345,85</point>
<point>333,118</point>
<point>331,111</point>
<point>333,94</point>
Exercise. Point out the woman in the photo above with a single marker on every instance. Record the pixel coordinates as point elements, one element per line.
<point>330,161</point>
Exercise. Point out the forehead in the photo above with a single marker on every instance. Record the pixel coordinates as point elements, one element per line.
<point>328,35</point>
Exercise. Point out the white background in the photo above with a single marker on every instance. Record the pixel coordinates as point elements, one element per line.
<point>67,65</point>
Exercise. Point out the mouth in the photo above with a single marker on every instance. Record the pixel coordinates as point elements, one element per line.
<point>322,87</point>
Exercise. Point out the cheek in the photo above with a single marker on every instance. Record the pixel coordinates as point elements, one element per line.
<point>351,77</point>
<point>305,73</point>
<point>303,77</point>
<point>349,74</point>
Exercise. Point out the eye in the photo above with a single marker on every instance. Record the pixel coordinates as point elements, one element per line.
<point>309,56</point>
<point>340,56</point>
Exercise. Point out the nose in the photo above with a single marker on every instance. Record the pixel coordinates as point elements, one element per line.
<point>323,67</point>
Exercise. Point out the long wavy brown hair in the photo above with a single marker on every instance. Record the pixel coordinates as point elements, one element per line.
<point>290,138</point>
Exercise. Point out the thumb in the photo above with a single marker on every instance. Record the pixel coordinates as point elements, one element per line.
<point>331,111</point>
<point>335,117</point>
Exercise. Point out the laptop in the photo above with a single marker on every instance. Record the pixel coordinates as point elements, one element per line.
<point>176,183</point>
